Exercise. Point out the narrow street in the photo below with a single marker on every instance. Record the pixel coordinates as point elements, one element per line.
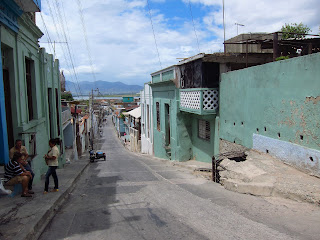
<point>130,196</point>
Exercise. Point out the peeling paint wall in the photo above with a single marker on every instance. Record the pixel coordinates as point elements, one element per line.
<point>279,100</point>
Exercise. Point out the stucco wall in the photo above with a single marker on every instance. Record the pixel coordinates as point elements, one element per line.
<point>279,100</point>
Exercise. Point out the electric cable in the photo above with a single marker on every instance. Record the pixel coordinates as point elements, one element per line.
<point>86,39</point>
<point>194,27</point>
<point>154,36</point>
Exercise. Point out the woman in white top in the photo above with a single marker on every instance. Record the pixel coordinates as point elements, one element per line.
<point>52,161</point>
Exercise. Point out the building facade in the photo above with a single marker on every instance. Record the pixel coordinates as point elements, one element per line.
<point>146,120</point>
<point>29,86</point>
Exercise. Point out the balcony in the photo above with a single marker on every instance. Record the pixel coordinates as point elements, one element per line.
<point>65,117</point>
<point>201,101</point>
<point>29,5</point>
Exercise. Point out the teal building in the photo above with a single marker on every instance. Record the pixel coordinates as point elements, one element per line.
<point>184,116</point>
<point>127,99</point>
<point>186,105</point>
<point>29,86</point>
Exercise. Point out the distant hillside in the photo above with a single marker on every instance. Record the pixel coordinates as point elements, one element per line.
<point>104,87</point>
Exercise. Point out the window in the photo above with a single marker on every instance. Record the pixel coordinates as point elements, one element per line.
<point>57,111</point>
<point>142,112</point>
<point>204,129</point>
<point>148,126</point>
<point>30,83</point>
<point>158,115</point>
<point>50,111</point>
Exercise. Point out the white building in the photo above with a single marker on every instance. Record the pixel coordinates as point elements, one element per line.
<point>146,120</point>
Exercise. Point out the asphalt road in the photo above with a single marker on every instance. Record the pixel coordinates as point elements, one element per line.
<point>131,196</point>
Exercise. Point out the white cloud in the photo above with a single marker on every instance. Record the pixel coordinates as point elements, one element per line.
<point>122,43</point>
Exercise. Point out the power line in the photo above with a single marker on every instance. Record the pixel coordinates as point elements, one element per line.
<point>154,36</point>
<point>45,28</point>
<point>68,47</point>
<point>52,45</point>
<point>86,39</point>
<point>63,22</point>
<point>194,28</point>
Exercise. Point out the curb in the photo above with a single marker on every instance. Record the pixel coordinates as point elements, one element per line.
<point>43,222</point>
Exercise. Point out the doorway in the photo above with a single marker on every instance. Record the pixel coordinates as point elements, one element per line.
<point>167,124</point>
<point>7,96</point>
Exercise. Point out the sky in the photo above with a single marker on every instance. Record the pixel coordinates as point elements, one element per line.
<point>117,40</point>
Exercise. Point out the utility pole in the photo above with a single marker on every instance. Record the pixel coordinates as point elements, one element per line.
<point>92,113</point>
<point>224,29</point>
<point>91,128</point>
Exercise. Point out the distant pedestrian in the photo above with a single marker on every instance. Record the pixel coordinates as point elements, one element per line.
<point>52,161</point>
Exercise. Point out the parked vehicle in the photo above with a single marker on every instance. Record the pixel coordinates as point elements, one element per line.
<point>97,155</point>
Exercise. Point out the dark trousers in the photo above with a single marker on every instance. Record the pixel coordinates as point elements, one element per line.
<point>51,171</point>
<point>28,168</point>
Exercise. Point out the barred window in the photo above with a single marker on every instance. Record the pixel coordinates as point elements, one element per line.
<point>204,129</point>
<point>158,115</point>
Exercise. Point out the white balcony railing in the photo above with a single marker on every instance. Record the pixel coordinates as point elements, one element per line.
<point>200,101</point>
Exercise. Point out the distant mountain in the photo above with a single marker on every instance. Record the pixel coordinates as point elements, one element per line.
<point>104,87</point>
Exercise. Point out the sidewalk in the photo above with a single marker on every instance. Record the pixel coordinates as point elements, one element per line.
<point>25,218</point>
<point>262,175</point>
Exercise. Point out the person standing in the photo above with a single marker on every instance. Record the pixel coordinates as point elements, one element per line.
<point>52,161</point>
<point>14,174</point>
<point>26,164</point>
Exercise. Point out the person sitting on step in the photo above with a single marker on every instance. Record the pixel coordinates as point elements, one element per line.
<point>14,174</point>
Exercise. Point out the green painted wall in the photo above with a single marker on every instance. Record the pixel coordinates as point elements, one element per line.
<point>156,78</point>
<point>166,76</point>
<point>280,100</point>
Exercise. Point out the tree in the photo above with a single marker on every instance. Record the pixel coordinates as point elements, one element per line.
<point>294,30</point>
<point>67,96</point>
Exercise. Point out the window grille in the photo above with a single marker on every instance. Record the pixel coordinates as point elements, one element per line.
<point>204,129</point>
<point>158,115</point>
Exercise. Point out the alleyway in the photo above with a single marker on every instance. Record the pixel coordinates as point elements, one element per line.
<point>137,197</point>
